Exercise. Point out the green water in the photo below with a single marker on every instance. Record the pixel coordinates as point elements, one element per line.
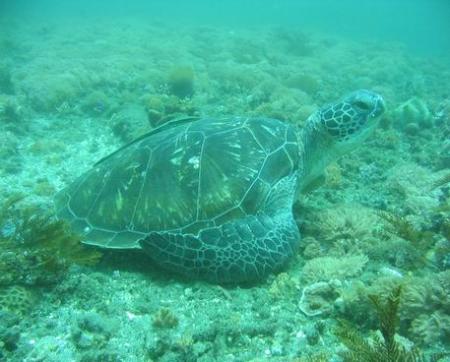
<point>420,25</point>
<point>79,80</point>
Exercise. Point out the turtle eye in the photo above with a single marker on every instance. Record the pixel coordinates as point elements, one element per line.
<point>362,105</point>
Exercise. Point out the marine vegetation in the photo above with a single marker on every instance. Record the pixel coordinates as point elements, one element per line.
<point>165,318</point>
<point>164,107</point>
<point>385,345</point>
<point>36,249</point>
<point>181,82</point>
<point>402,228</point>
<point>421,240</point>
<point>440,181</point>
<point>413,115</point>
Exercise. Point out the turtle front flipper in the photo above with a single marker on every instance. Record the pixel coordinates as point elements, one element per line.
<point>238,251</point>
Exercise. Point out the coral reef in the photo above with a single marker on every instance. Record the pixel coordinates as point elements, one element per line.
<point>52,92</point>
<point>327,268</point>
<point>424,306</point>
<point>92,330</point>
<point>306,82</point>
<point>344,222</point>
<point>429,328</point>
<point>408,244</point>
<point>96,103</point>
<point>319,298</point>
<point>130,122</point>
<point>113,81</point>
<point>427,309</point>
<point>10,154</point>
<point>413,115</point>
<point>295,42</point>
<point>163,108</point>
<point>164,318</point>
<point>9,333</point>
<point>344,229</point>
<point>411,183</point>
<point>17,300</point>
<point>248,51</point>
<point>284,286</point>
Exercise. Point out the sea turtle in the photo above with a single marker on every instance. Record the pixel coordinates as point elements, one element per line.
<point>212,198</point>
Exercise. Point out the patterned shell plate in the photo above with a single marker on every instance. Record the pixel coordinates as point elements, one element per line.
<point>182,178</point>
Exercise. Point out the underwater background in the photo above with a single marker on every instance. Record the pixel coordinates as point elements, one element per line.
<point>371,280</point>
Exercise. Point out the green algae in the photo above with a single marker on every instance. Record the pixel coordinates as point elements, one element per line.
<point>181,82</point>
<point>36,249</point>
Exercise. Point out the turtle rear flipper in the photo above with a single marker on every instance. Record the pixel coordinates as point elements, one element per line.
<point>241,250</point>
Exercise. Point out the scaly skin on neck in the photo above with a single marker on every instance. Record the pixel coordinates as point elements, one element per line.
<point>316,151</point>
<point>334,130</point>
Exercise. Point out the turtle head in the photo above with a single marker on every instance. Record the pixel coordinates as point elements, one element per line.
<point>352,119</point>
<point>336,129</point>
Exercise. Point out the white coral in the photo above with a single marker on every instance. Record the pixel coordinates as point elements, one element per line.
<point>328,268</point>
<point>353,222</point>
